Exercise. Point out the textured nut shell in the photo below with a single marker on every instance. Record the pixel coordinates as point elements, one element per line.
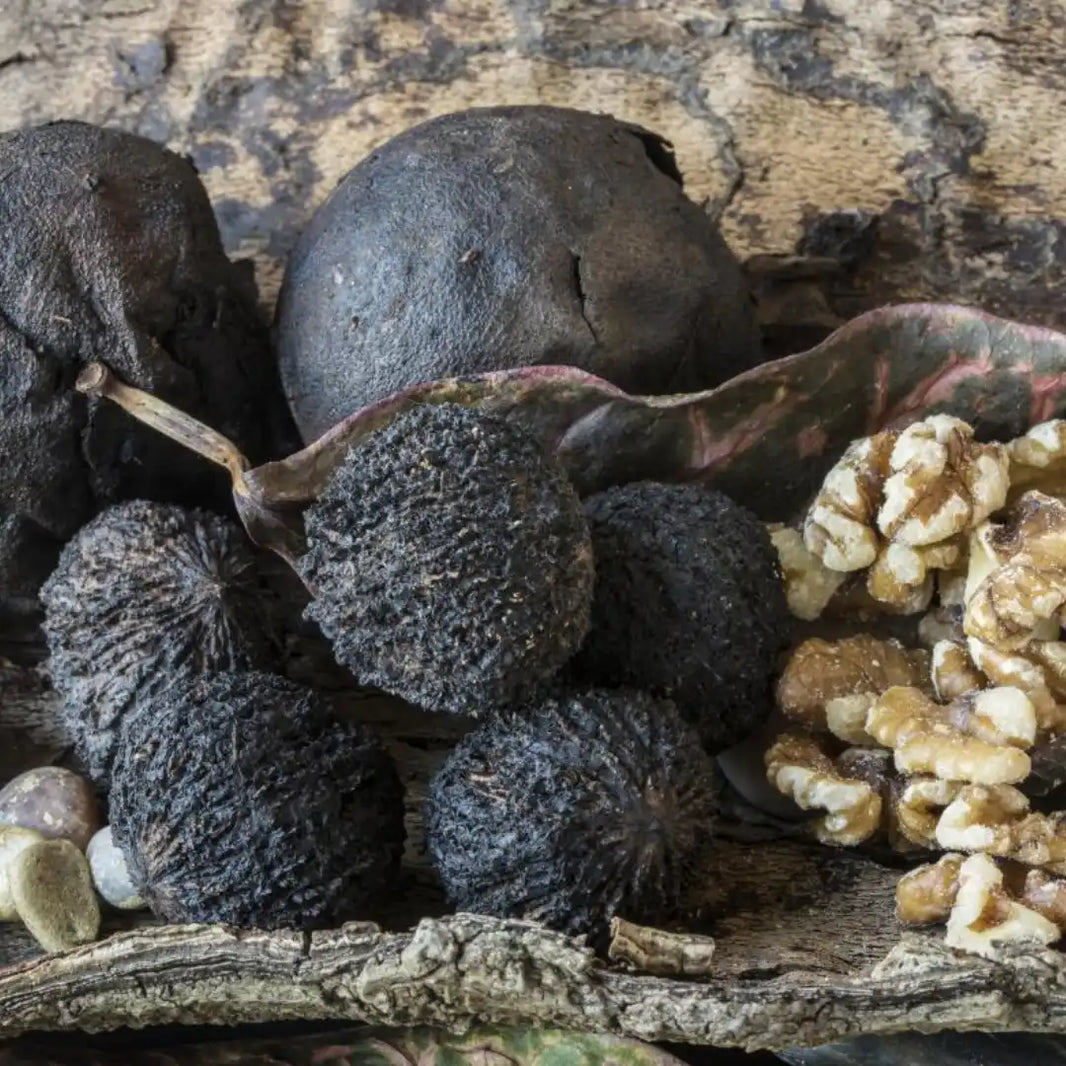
<point>56,802</point>
<point>53,893</point>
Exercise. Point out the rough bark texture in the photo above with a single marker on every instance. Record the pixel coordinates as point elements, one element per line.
<point>857,153</point>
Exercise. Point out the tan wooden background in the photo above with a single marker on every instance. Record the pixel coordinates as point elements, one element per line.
<point>857,152</point>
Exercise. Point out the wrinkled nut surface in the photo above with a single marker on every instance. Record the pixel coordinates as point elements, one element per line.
<point>110,873</point>
<point>984,917</point>
<point>1046,895</point>
<point>1018,589</point>
<point>840,528</point>
<point>53,893</point>
<point>925,740</point>
<point>1003,715</point>
<point>799,769</point>
<point>926,894</point>
<point>56,802</point>
<point>13,839</point>
<point>1038,669</point>
<point>849,674</point>
<point>918,806</point>
<point>809,583</point>
<point>903,503</point>
<point>1038,459</point>
<point>954,673</point>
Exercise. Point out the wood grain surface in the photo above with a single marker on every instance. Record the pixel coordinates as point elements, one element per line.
<point>856,153</point>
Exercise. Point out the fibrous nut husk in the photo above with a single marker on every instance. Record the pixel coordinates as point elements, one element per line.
<point>111,251</point>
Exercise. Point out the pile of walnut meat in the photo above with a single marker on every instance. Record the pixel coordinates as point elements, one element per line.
<point>952,745</point>
<point>605,648</point>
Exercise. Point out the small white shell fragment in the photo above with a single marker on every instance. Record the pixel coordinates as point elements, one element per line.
<point>110,874</point>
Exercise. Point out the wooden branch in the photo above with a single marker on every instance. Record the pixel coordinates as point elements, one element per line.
<point>461,970</point>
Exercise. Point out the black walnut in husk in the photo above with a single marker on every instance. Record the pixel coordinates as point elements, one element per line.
<point>505,237</point>
<point>449,560</point>
<point>689,604</point>
<point>145,594</point>
<point>243,799</point>
<point>588,805</point>
<point>110,251</point>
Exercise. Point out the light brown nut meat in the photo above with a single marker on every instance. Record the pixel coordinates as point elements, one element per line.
<point>902,505</point>
<point>799,769</point>
<point>809,583</point>
<point>1038,669</point>
<point>943,483</point>
<point>925,740</point>
<point>998,821</point>
<point>954,673</point>
<point>1038,459</point>
<point>926,894</point>
<point>984,917</point>
<point>1020,597</point>
<point>918,804</point>
<point>982,818</point>
<point>820,671</point>
<point>1046,895</point>
<point>840,528</point>
<point>1002,715</point>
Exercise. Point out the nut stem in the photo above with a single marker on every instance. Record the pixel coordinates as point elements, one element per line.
<point>97,380</point>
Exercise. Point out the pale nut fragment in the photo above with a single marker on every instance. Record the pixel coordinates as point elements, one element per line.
<point>926,739</point>
<point>809,583</point>
<point>903,576</point>
<point>799,769</point>
<point>942,482</point>
<point>954,672</point>
<point>982,818</point>
<point>1038,459</point>
<point>1002,715</point>
<point>1021,597</point>
<point>918,805</point>
<point>840,526</point>
<point>110,873</point>
<point>1038,669</point>
<point>984,917</point>
<point>856,669</point>
<point>926,894</point>
<point>942,623</point>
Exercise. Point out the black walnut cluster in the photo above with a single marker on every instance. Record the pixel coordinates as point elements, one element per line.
<point>450,562</point>
<point>243,799</point>
<point>591,804</point>
<point>111,251</point>
<point>144,595</point>
<point>503,237</point>
<point>689,604</point>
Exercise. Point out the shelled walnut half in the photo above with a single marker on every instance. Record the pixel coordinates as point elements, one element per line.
<point>982,908</point>
<point>901,504</point>
<point>829,686</point>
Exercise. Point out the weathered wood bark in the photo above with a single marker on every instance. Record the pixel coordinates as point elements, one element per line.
<point>857,153</point>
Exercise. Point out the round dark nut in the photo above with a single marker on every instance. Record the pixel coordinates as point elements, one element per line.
<point>147,593</point>
<point>242,799</point>
<point>689,604</point>
<point>505,237</point>
<point>58,803</point>
<point>450,562</point>
<point>575,810</point>
<point>111,252</point>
